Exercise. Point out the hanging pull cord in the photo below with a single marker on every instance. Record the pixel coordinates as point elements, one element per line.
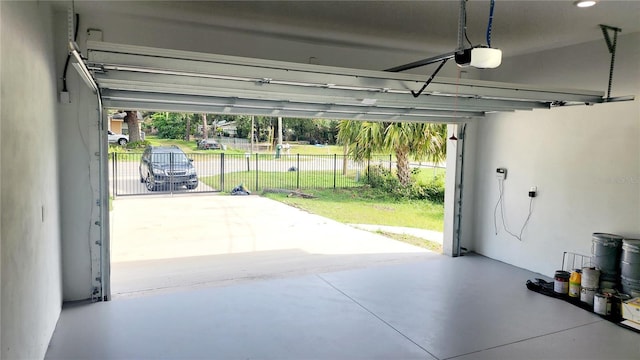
<point>489,25</point>
<point>416,94</point>
<point>612,50</point>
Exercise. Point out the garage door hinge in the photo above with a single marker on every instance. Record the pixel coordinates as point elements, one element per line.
<point>98,223</point>
<point>98,202</point>
<point>98,242</point>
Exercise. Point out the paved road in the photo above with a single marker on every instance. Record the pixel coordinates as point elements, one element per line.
<point>162,243</point>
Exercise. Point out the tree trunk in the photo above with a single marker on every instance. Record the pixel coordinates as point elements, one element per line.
<point>205,131</point>
<point>345,159</point>
<point>404,172</point>
<point>187,136</point>
<point>134,128</point>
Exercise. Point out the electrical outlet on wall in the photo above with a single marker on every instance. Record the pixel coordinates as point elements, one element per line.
<point>501,173</point>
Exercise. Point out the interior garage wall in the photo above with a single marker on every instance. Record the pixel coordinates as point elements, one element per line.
<point>78,130</point>
<point>30,249</point>
<point>585,160</point>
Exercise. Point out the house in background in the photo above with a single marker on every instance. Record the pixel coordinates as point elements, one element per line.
<point>226,127</point>
<point>119,126</point>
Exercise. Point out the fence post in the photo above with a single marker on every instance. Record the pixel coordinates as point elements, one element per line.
<point>256,172</point>
<point>171,170</point>
<point>390,163</point>
<point>298,171</point>
<point>368,170</point>
<point>222,172</point>
<point>114,174</point>
<point>335,168</point>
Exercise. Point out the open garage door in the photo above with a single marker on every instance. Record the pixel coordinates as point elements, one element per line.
<point>143,78</point>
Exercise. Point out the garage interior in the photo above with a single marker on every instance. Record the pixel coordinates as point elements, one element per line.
<point>584,161</point>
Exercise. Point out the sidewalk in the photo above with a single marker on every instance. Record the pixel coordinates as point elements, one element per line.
<point>430,235</point>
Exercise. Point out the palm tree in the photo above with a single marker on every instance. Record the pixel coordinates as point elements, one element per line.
<point>347,135</point>
<point>421,141</point>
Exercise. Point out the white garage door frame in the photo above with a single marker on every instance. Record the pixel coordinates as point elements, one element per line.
<point>144,78</point>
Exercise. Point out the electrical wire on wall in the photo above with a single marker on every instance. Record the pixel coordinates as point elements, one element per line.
<point>66,64</point>
<point>500,203</point>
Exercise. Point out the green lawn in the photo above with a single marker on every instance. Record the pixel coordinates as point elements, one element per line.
<point>315,150</point>
<point>282,180</point>
<point>188,147</point>
<point>413,240</point>
<point>363,205</point>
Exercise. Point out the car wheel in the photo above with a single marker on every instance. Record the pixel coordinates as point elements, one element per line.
<point>122,142</point>
<point>150,185</point>
<point>191,187</point>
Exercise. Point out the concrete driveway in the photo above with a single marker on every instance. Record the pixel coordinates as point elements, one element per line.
<point>163,244</point>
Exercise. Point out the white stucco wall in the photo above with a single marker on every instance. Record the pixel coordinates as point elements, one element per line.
<point>585,161</point>
<point>30,255</point>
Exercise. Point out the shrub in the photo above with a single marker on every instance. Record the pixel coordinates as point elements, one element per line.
<point>432,189</point>
<point>379,177</point>
<point>141,144</point>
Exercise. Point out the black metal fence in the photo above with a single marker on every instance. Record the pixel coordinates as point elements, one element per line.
<point>222,172</point>
<point>218,172</point>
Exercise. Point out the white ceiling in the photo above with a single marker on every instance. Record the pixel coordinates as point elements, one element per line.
<point>428,27</point>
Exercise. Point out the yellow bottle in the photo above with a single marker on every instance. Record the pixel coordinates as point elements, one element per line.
<point>574,283</point>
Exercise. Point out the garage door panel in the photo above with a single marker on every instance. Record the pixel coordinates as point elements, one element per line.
<point>172,84</point>
<point>284,105</point>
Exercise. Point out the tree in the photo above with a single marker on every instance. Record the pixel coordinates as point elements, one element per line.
<point>132,122</point>
<point>261,123</point>
<point>205,131</point>
<point>169,125</point>
<point>422,141</point>
<point>187,134</point>
<point>347,136</point>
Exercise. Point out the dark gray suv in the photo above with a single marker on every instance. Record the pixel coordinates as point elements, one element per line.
<point>163,166</point>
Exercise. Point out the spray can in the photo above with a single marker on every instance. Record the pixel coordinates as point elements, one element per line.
<point>574,283</point>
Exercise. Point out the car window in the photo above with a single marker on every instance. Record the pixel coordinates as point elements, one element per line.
<point>166,158</point>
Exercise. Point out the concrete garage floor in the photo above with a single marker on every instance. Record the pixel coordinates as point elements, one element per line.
<point>163,244</point>
<point>434,308</point>
<point>386,301</point>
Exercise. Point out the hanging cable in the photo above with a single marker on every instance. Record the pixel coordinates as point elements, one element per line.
<point>495,210</point>
<point>490,24</point>
<point>500,203</point>
<point>66,64</point>
<point>465,26</point>
<point>416,94</point>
